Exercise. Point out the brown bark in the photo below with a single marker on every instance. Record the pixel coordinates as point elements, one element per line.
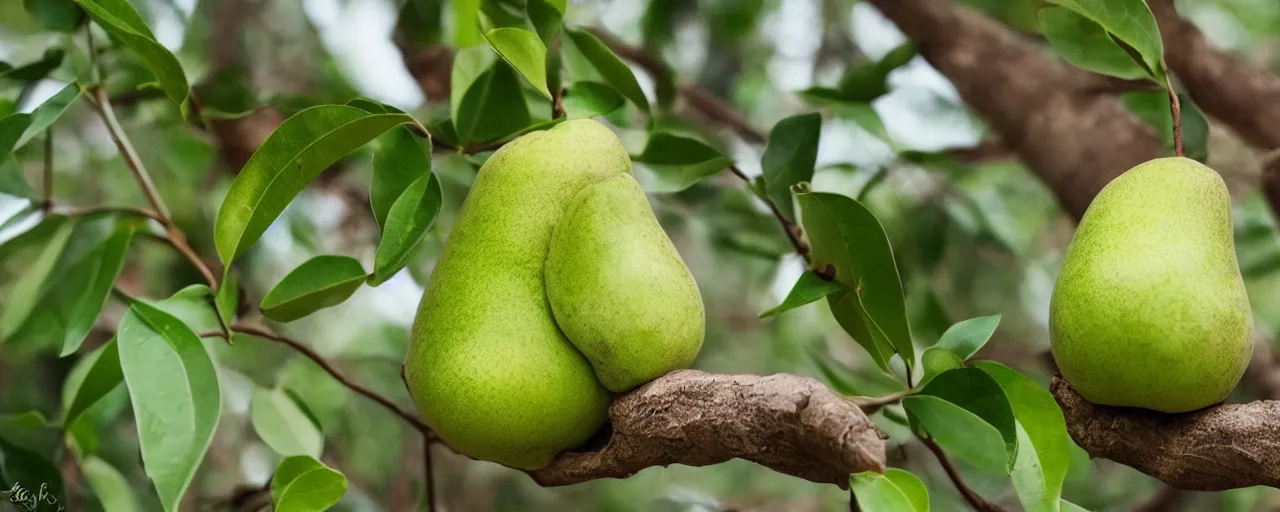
<point>1049,112</point>
<point>791,424</point>
<point>1217,448</point>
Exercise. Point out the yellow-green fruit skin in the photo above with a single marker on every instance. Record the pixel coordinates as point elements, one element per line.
<point>487,365</point>
<point>1150,309</point>
<point>619,289</point>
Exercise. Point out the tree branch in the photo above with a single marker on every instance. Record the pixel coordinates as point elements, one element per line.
<point>793,425</point>
<point>1217,448</point>
<point>793,231</point>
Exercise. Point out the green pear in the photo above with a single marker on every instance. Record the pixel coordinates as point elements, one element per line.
<point>1149,309</point>
<point>619,289</point>
<point>489,367</point>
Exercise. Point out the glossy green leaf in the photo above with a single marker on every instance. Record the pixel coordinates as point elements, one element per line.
<point>897,57</point>
<point>176,400</point>
<point>193,306</point>
<point>94,276</point>
<point>845,234</point>
<point>320,282</point>
<point>678,162</point>
<point>547,18</point>
<point>469,64</point>
<point>466,28</point>
<point>810,287</point>
<point>936,360</point>
<point>48,112</point>
<point>493,107</point>
<point>37,70</point>
<point>789,158</point>
<point>282,424</point>
<point>1153,107</point>
<point>400,159</point>
<point>1130,21</point>
<point>590,99</point>
<point>1068,506</point>
<point>228,298</point>
<point>524,51</point>
<point>960,432</point>
<point>407,224</point>
<point>16,130</point>
<point>299,149</point>
<point>56,15</point>
<point>119,19</point>
<point>611,68</point>
<point>103,377</point>
<point>26,291</point>
<point>1084,43</point>
<point>966,337</point>
<point>1044,452</point>
<point>303,484</point>
<point>22,468</point>
<point>977,392</point>
<point>109,486</point>
<point>894,491</point>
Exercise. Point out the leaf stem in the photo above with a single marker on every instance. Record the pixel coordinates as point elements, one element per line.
<point>1175,109</point>
<point>871,404</point>
<point>794,233</point>
<point>973,498</point>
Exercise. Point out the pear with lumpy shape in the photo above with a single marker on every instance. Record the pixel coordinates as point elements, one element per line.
<point>619,289</point>
<point>489,366</point>
<point>1150,309</point>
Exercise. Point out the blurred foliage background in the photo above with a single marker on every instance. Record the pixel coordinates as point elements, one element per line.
<point>973,236</point>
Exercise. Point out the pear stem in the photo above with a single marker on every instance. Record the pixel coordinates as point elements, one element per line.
<point>1175,108</point>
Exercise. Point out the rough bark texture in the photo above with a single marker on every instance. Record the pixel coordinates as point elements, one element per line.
<point>1213,449</point>
<point>1052,114</point>
<point>790,424</point>
<point>1227,87</point>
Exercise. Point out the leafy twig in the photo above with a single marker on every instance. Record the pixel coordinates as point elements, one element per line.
<point>973,498</point>
<point>328,368</point>
<point>793,231</point>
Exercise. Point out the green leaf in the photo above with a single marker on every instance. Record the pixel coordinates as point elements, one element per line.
<point>48,112</point>
<point>406,225</point>
<point>966,337</point>
<point>897,57</point>
<point>283,425</point>
<point>303,484</point>
<point>466,28</point>
<point>960,432</point>
<point>103,378</point>
<point>119,19</point>
<point>546,17</point>
<point>1086,44</point>
<point>789,158</point>
<point>56,15</point>
<point>109,486</point>
<point>1130,21</point>
<point>937,360</point>
<point>16,130</point>
<point>174,390</point>
<point>193,306</point>
<point>228,299</point>
<point>810,287</point>
<point>94,277</point>
<point>1195,130</point>
<point>1068,506</point>
<point>862,84</point>
<point>894,491</point>
<point>611,68</point>
<point>977,392</point>
<point>590,99</point>
<point>469,64</point>
<point>299,149</point>
<point>26,291</point>
<point>493,107</point>
<point>1044,452</point>
<point>866,117</point>
<point>35,71</point>
<point>400,159</point>
<point>320,282</point>
<point>845,234</point>
<point>524,51</point>
<point>25,469</point>
<point>679,162</point>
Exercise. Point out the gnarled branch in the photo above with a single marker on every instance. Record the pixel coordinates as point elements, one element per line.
<point>1217,448</point>
<point>791,424</point>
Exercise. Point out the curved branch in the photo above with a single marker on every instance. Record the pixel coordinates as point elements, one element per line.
<point>1217,448</point>
<point>793,425</point>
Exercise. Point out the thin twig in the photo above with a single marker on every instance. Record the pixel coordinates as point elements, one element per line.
<point>93,210</point>
<point>871,404</point>
<point>328,368</point>
<point>47,204</point>
<point>1175,108</point>
<point>793,231</point>
<point>98,98</point>
<point>428,475</point>
<point>976,501</point>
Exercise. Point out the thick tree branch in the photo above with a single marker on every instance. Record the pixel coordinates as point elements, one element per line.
<point>1049,112</point>
<point>1217,448</point>
<point>791,424</point>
